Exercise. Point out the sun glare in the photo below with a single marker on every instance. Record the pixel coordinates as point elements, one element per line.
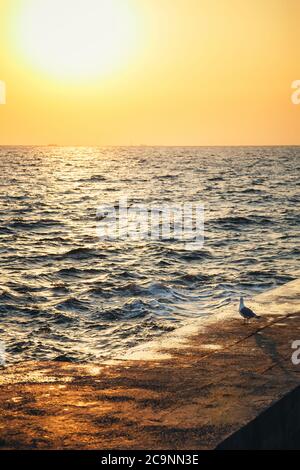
<point>77,38</point>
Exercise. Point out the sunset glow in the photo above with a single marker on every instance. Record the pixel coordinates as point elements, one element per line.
<point>74,39</point>
<point>154,72</point>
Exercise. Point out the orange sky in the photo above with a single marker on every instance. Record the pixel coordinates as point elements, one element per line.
<point>198,72</point>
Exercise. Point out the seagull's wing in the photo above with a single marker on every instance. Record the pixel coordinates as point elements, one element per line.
<point>247,312</point>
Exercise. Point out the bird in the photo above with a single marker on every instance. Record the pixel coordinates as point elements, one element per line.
<point>246,312</point>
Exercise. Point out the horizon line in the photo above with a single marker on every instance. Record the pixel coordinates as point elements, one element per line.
<point>150,145</point>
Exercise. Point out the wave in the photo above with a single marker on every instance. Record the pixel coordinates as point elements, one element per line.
<point>216,178</point>
<point>250,191</point>
<point>188,279</point>
<point>69,272</point>
<point>33,225</point>
<point>235,221</point>
<point>83,253</point>
<point>8,295</point>
<point>72,304</point>
<point>186,254</point>
<point>166,177</point>
<point>63,319</point>
<point>132,309</point>
<point>93,178</point>
<point>6,231</point>
<point>64,358</point>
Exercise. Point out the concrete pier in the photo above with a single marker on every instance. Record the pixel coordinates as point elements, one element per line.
<point>215,384</point>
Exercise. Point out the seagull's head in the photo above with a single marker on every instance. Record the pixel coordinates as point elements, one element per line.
<point>241,300</point>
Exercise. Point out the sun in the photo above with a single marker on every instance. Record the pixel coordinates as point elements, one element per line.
<point>76,39</point>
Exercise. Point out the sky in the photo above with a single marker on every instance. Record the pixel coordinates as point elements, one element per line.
<point>150,72</point>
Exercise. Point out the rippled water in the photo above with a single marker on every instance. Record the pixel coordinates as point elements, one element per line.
<point>67,295</point>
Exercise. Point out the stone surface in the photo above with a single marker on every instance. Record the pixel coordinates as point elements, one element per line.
<point>217,383</point>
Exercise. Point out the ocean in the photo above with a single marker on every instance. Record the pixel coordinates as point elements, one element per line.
<point>68,295</point>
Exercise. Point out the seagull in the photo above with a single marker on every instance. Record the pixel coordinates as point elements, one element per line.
<point>246,312</point>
